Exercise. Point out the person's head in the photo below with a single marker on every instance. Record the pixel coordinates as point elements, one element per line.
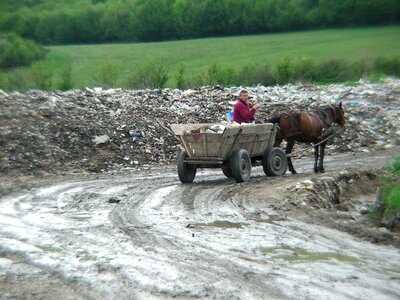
<point>244,95</point>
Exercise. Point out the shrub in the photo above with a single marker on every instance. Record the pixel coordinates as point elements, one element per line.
<point>214,75</point>
<point>106,75</point>
<point>360,69</point>
<point>4,85</point>
<point>66,79</point>
<point>333,70</point>
<point>254,74</point>
<point>17,52</point>
<point>387,65</point>
<point>19,80</point>
<point>305,70</point>
<point>394,166</point>
<point>284,71</point>
<point>42,76</point>
<point>152,75</point>
<point>387,208</point>
<point>391,199</point>
<point>179,76</point>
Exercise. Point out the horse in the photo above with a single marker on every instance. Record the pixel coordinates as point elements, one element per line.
<point>308,128</point>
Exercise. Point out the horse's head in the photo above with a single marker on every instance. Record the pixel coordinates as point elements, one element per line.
<point>339,115</point>
<point>333,114</point>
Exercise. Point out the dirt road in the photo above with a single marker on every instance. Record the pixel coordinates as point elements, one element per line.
<point>147,236</point>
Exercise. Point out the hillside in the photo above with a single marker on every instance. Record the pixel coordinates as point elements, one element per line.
<point>354,45</point>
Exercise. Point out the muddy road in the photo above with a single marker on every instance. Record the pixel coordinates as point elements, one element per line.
<point>147,236</point>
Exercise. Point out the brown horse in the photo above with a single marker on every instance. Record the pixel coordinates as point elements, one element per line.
<point>308,128</point>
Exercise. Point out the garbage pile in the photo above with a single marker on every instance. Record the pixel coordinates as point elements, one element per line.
<point>97,130</point>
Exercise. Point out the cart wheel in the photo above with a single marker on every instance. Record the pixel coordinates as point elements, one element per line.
<point>226,169</point>
<point>186,172</point>
<point>275,163</point>
<point>240,165</point>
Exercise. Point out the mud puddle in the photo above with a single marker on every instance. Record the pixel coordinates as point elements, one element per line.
<point>146,236</point>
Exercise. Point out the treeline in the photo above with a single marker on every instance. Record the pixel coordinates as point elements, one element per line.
<point>99,21</point>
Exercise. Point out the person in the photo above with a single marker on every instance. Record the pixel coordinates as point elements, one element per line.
<point>244,111</point>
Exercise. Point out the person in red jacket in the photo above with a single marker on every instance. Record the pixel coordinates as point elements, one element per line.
<point>244,111</point>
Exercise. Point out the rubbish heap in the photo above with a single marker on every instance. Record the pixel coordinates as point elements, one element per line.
<point>97,130</point>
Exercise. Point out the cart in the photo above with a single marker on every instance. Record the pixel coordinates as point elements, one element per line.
<point>232,148</point>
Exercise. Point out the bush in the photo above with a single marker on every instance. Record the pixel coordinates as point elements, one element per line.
<point>152,75</point>
<point>387,65</point>
<point>387,209</point>
<point>391,200</point>
<point>42,76</point>
<point>305,70</point>
<point>214,75</point>
<point>4,85</point>
<point>394,166</point>
<point>253,74</point>
<point>19,80</point>
<point>284,71</point>
<point>333,70</point>
<point>106,75</point>
<point>179,76</point>
<point>17,52</point>
<point>66,79</point>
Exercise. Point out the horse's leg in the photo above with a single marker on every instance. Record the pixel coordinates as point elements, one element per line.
<point>316,170</point>
<point>278,142</point>
<point>289,148</point>
<point>321,158</point>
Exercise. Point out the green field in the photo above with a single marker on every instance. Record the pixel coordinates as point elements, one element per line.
<point>234,52</point>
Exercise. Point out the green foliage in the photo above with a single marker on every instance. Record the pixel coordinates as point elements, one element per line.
<point>214,75</point>
<point>305,70</point>
<point>388,206</point>
<point>391,199</point>
<point>179,76</point>
<point>19,80</point>
<point>394,166</point>
<point>4,85</point>
<point>255,74</point>
<point>90,21</point>
<point>66,79</point>
<point>107,74</point>
<point>17,52</point>
<point>387,65</point>
<point>42,76</point>
<point>154,74</point>
<point>312,56</point>
<point>284,70</point>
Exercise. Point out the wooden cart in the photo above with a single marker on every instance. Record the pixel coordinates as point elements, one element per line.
<point>233,148</point>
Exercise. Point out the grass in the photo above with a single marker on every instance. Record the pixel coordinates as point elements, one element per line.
<point>388,207</point>
<point>322,56</point>
<point>236,52</point>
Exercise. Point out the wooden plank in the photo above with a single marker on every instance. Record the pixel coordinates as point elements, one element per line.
<point>188,152</point>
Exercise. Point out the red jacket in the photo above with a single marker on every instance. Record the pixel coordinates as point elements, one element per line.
<point>243,112</point>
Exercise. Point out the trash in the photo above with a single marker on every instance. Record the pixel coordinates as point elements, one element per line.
<point>60,130</point>
<point>102,139</point>
<point>133,133</point>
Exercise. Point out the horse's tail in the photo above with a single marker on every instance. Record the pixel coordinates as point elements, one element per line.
<point>274,120</point>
